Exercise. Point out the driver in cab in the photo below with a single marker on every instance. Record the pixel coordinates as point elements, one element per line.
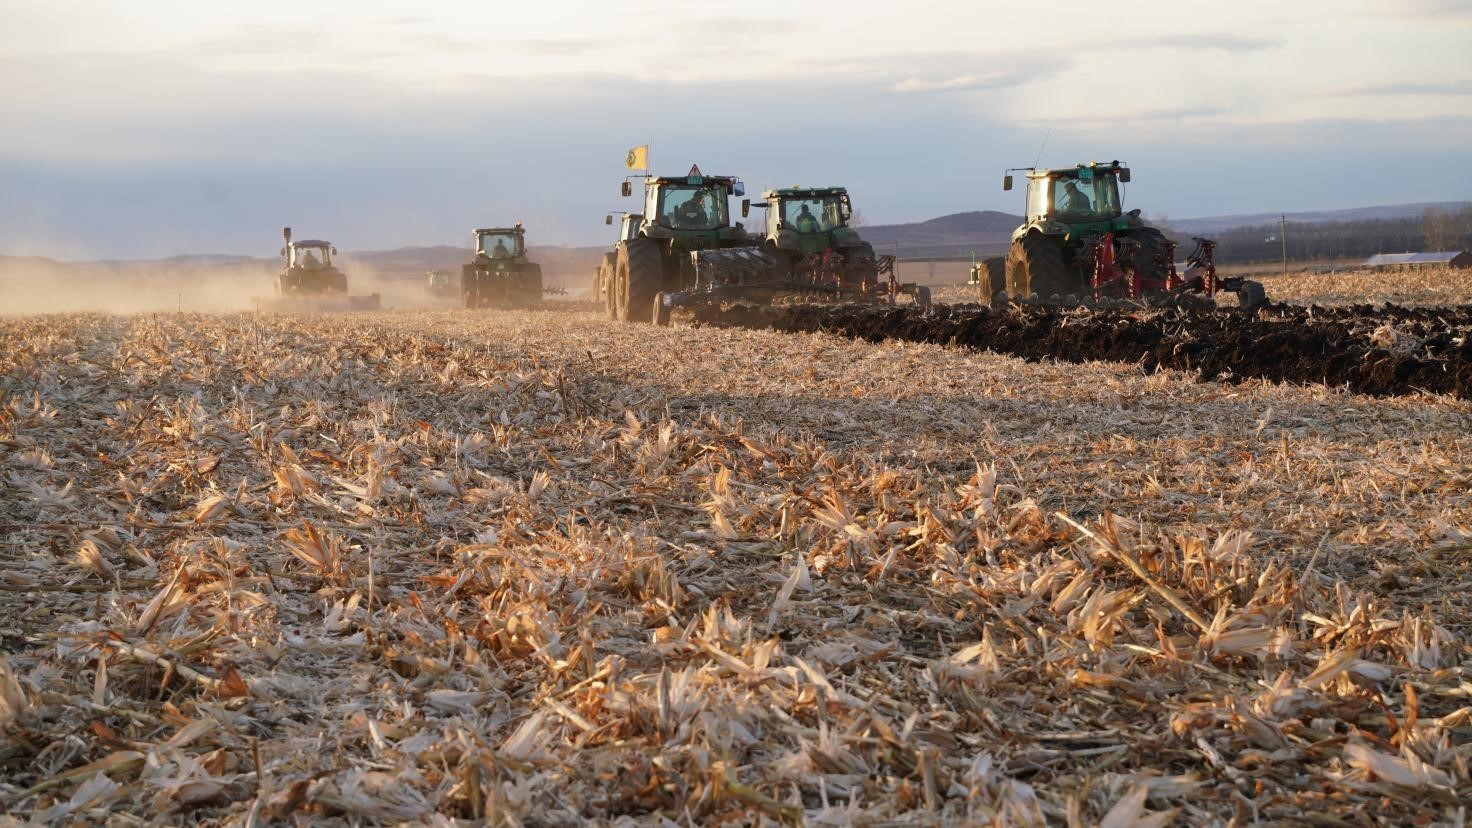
<point>500,250</point>
<point>692,212</point>
<point>1073,200</point>
<point>806,222</point>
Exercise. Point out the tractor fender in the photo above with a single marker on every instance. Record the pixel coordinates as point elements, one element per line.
<point>1045,227</point>
<point>846,237</point>
<point>654,231</point>
<point>785,239</point>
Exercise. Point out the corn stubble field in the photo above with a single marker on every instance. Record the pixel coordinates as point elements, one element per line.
<point>535,568</point>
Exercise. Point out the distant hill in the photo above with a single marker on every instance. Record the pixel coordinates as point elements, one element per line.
<point>959,234</point>
<point>566,266</point>
<point>956,236</point>
<point>1218,224</point>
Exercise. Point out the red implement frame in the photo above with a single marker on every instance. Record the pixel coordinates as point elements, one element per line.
<point>1116,275</point>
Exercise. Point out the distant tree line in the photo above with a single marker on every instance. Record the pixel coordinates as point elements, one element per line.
<point>1435,230</point>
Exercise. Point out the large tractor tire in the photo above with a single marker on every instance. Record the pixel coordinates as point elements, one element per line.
<point>531,286</point>
<point>470,287</point>
<point>993,278</point>
<point>1035,266</point>
<point>859,272</point>
<point>602,277</point>
<point>638,275</point>
<point>1152,245</point>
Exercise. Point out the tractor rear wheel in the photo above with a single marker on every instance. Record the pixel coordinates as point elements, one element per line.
<point>1150,257</point>
<point>470,287</point>
<point>858,267</point>
<point>531,285</point>
<point>1035,265</point>
<point>638,274</point>
<point>603,281</point>
<point>993,278</point>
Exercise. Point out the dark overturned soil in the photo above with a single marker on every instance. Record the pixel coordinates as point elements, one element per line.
<point>1418,349</point>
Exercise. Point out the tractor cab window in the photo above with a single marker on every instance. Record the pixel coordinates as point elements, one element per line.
<point>309,257</point>
<point>1077,199</point>
<point>813,215</point>
<point>693,208</point>
<point>497,245</point>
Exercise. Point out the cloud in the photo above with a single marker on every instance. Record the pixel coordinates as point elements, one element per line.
<point>960,83</point>
<point>1440,10</point>
<point>1412,88</point>
<point>1208,42</point>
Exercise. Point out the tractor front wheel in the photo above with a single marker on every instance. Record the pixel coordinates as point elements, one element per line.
<point>1035,266</point>
<point>637,275</point>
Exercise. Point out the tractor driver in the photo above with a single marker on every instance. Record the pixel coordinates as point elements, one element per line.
<point>310,262</point>
<point>500,250</point>
<point>692,213</point>
<point>1073,200</point>
<point>806,222</point>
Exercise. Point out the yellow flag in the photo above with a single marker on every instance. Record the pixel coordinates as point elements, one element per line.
<point>638,158</point>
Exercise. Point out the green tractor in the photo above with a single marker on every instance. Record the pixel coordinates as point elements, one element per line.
<point>309,281</point>
<point>682,215</point>
<point>1078,246</point>
<point>307,269</point>
<point>500,275</point>
<point>603,277</point>
<point>809,226</point>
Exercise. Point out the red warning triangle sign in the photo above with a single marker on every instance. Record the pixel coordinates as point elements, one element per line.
<point>694,169</point>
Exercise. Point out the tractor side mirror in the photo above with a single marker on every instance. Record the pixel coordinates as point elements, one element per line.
<point>745,207</point>
<point>334,251</point>
<point>608,219</point>
<point>283,251</point>
<point>626,189</point>
<point>1124,174</point>
<point>1006,182</point>
<point>738,189</point>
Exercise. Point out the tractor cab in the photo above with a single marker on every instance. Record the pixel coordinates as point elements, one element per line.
<point>1076,201</point>
<point>689,208</point>
<point>501,243</point>
<point>807,219</point>
<point>309,254</point>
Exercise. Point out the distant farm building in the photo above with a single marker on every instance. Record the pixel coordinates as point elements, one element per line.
<point>1414,261</point>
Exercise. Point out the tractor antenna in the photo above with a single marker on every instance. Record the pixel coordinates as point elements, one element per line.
<point>1046,136</point>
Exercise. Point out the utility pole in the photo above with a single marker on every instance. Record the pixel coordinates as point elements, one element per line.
<point>1283,235</point>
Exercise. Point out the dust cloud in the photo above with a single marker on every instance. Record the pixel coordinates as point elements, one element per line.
<point>37,286</point>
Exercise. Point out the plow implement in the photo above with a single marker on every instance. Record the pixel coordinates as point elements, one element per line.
<point>1384,351</point>
<point>758,276</point>
<point>1118,271</point>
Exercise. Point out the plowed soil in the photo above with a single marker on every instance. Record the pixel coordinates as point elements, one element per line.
<point>1381,351</point>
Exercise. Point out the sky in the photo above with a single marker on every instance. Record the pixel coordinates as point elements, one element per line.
<point>153,127</point>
